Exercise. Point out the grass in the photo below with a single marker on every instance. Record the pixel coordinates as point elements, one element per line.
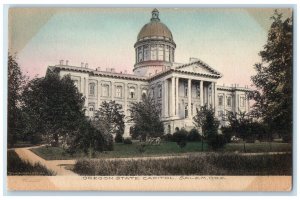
<point>166,148</point>
<point>204,164</point>
<point>18,167</point>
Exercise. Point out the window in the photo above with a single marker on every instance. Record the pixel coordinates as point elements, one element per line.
<point>185,89</point>
<point>228,101</point>
<point>167,53</point>
<point>159,91</point>
<point>76,83</point>
<point>242,102</point>
<point>119,91</point>
<point>92,89</point>
<point>132,92</point>
<point>146,52</point>
<point>105,89</point>
<point>140,54</point>
<point>160,52</point>
<point>220,113</point>
<point>153,52</point>
<point>186,111</point>
<point>220,100</point>
<point>198,91</point>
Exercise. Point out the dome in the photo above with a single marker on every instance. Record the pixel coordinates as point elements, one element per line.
<point>155,28</point>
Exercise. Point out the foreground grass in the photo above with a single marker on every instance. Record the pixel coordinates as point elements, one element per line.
<point>18,167</point>
<point>205,164</point>
<point>166,148</point>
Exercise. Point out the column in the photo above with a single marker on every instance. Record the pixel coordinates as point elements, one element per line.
<point>166,98</point>
<point>172,113</point>
<point>125,98</point>
<point>201,93</point>
<point>112,90</point>
<point>177,97</point>
<point>86,91</point>
<point>189,98</point>
<point>212,96</point>
<point>215,97</point>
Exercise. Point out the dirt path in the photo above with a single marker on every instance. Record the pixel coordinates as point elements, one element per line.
<point>58,166</point>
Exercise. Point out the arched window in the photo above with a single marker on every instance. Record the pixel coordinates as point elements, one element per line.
<point>167,53</point>
<point>153,52</point>
<point>132,92</point>
<point>92,89</point>
<point>159,91</point>
<point>161,52</point>
<point>146,52</point>
<point>140,54</point>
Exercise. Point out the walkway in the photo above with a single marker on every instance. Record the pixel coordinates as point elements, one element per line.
<point>57,166</point>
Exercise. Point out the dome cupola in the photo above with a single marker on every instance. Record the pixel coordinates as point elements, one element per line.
<point>154,47</point>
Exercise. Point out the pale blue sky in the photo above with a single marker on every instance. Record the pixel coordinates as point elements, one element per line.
<point>229,40</point>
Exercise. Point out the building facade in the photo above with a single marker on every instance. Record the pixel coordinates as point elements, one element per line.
<point>178,89</point>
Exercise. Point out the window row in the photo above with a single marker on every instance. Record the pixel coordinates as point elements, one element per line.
<point>155,52</point>
<point>106,92</point>
<point>229,101</point>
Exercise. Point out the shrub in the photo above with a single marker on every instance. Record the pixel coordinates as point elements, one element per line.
<point>119,138</point>
<point>204,164</point>
<point>216,141</point>
<point>180,137</point>
<point>127,141</point>
<point>168,137</point>
<point>194,135</point>
<point>228,133</point>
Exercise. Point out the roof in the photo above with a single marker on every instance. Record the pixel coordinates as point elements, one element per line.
<point>97,73</point>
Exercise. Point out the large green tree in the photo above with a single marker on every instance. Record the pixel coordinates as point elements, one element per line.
<point>16,81</point>
<point>146,118</point>
<point>206,120</point>
<point>53,106</point>
<point>111,115</point>
<point>274,77</point>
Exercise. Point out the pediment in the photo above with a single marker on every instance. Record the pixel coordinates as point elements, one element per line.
<point>199,68</point>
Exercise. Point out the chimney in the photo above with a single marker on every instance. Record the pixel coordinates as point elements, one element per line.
<point>67,62</point>
<point>61,62</point>
<point>98,69</point>
<point>82,64</point>
<point>194,59</point>
<point>86,65</point>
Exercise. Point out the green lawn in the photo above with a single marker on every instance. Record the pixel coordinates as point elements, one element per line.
<point>166,148</point>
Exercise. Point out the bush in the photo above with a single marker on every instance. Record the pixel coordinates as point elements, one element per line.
<point>141,147</point>
<point>180,137</point>
<point>168,137</point>
<point>228,133</point>
<point>194,135</point>
<point>119,138</point>
<point>216,141</point>
<point>204,164</point>
<point>127,141</point>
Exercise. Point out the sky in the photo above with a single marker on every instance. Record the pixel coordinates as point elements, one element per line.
<point>227,39</point>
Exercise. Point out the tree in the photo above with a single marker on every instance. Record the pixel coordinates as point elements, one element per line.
<point>16,81</point>
<point>54,106</point>
<point>274,77</point>
<point>240,124</point>
<point>111,116</point>
<point>206,120</point>
<point>146,118</point>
